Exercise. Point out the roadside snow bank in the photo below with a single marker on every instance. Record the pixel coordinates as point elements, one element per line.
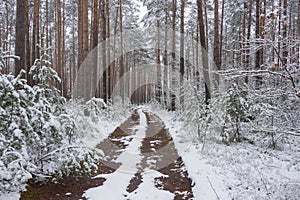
<point>239,171</point>
<point>10,196</point>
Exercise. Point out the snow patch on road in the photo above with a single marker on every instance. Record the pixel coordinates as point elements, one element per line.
<point>147,189</point>
<point>129,159</point>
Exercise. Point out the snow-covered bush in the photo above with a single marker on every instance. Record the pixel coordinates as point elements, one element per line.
<point>195,113</point>
<point>276,116</point>
<point>37,135</point>
<point>222,118</point>
<point>229,109</point>
<point>263,115</point>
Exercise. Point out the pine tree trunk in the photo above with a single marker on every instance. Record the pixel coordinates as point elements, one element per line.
<point>103,49</point>
<point>94,47</point>
<point>58,64</point>
<point>80,34</point>
<point>182,70</point>
<point>121,54</point>
<point>28,61</point>
<point>63,53</point>
<point>109,72</point>
<point>166,67</point>
<point>204,52</point>
<point>85,24</point>
<point>173,70</point>
<point>197,59</point>
<point>113,65</point>
<point>35,32</point>
<point>216,51</point>
<point>284,35</point>
<point>20,48</point>
<point>257,36</point>
<point>158,65</point>
<point>221,34</point>
<point>248,38</point>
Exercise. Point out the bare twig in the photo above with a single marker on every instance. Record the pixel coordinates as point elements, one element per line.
<point>213,188</point>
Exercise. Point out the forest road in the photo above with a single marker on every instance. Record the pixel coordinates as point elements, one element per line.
<point>140,162</point>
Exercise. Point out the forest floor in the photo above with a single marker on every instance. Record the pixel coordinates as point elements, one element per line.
<point>140,162</point>
<point>156,156</point>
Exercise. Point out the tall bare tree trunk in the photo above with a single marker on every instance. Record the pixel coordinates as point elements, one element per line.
<point>248,37</point>
<point>206,21</point>
<point>165,59</point>
<point>262,29</point>
<point>103,49</point>
<point>257,36</point>
<point>35,31</point>
<point>109,72</point>
<point>279,32</point>
<point>47,24</point>
<point>182,6</point>
<point>244,46</point>
<point>173,70</point>
<point>80,33</point>
<point>63,50</point>
<point>158,65</point>
<point>94,47</point>
<point>197,71</point>
<point>58,49</point>
<point>216,51</point>
<point>28,61</point>
<point>221,34</point>
<point>284,35</point>
<point>122,87</point>
<point>204,52</point>
<point>85,25</point>
<point>114,65</point>
<point>20,48</point>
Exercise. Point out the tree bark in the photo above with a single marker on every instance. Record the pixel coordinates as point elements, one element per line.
<point>204,52</point>
<point>103,49</point>
<point>94,47</point>
<point>109,72</point>
<point>28,61</point>
<point>122,87</point>
<point>35,31</point>
<point>58,49</point>
<point>158,65</point>
<point>221,34</point>
<point>173,70</point>
<point>165,59</point>
<point>80,34</point>
<point>182,48</point>
<point>284,35</point>
<point>216,51</point>
<point>20,48</point>
<point>257,36</point>
<point>85,24</point>
<point>113,65</point>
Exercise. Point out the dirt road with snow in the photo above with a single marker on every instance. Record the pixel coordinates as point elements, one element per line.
<point>140,162</point>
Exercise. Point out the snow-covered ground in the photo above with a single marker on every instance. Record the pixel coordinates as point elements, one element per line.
<point>9,196</point>
<point>97,130</point>
<point>116,183</point>
<point>239,171</point>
